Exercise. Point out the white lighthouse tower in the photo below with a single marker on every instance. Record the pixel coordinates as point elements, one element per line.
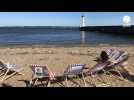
<point>82,24</point>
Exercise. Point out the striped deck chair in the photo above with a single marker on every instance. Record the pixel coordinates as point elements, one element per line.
<point>102,65</point>
<point>116,58</point>
<point>8,70</point>
<point>41,73</point>
<point>74,70</point>
<point>94,72</point>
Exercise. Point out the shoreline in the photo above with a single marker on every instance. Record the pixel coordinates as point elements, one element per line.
<point>66,45</point>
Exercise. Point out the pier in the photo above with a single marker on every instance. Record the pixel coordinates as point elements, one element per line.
<point>126,28</point>
<point>109,29</point>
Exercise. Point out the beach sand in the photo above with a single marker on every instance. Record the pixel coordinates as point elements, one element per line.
<point>58,58</point>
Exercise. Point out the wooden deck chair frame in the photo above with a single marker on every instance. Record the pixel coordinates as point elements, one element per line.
<point>93,72</point>
<point>114,67</point>
<point>6,68</point>
<point>69,71</point>
<point>45,75</point>
<point>120,64</point>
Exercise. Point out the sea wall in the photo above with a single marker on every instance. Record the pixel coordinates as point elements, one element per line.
<point>110,29</point>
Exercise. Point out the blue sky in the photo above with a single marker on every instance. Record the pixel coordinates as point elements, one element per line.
<point>61,18</point>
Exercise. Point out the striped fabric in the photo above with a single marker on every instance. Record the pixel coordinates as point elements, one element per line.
<point>74,69</point>
<point>39,71</point>
<point>116,57</point>
<point>123,56</point>
<point>75,65</point>
<point>98,67</point>
<point>36,65</point>
<point>115,54</point>
<point>13,67</point>
<point>109,51</point>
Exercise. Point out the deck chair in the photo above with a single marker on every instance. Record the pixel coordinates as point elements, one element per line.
<point>102,65</point>
<point>11,69</point>
<point>74,70</point>
<point>41,73</point>
<point>94,72</point>
<point>116,58</point>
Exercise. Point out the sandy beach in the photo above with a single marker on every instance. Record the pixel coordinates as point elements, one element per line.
<point>58,58</point>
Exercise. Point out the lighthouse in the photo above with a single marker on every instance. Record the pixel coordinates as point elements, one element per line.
<point>82,24</point>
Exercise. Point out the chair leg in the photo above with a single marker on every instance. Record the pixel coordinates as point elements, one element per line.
<point>5,78</point>
<point>49,83</point>
<point>41,82</point>
<point>66,82</point>
<point>10,75</point>
<point>4,75</point>
<point>31,82</point>
<point>1,74</point>
<point>84,80</point>
<point>119,73</point>
<point>13,74</point>
<point>35,83</point>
